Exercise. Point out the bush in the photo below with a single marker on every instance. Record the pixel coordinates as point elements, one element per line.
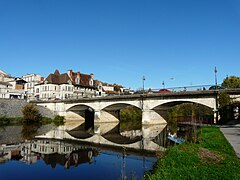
<point>4,120</point>
<point>46,120</point>
<point>31,113</point>
<point>58,120</point>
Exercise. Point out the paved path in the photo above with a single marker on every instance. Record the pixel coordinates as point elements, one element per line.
<point>232,134</point>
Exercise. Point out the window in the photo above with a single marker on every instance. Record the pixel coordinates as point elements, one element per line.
<point>91,82</point>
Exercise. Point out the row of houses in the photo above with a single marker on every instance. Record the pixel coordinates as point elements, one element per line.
<point>69,85</point>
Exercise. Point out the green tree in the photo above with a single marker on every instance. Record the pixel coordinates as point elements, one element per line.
<point>116,88</point>
<point>31,113</point>
<point>224,107</point>
<point>224,99</point>
<point>231,82</point>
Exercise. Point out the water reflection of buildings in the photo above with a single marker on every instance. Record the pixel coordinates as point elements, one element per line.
<point>8,152</point>
<point>50,151</point>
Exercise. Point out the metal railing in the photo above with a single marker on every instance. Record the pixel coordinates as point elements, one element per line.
<point>188,88</point>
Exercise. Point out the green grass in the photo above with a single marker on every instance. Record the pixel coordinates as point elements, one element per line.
<point>212,158</point>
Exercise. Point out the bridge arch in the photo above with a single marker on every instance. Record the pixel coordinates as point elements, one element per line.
<point>79,106</point>
<point>107,105</point>
<point>200,110</point>
<point>174,103</point>
<point>115,109</point>
<point>209,102</point>
<point>118,106</point>
<point>81,112</point>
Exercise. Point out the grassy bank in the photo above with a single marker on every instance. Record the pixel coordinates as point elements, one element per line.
<point>212,158</point>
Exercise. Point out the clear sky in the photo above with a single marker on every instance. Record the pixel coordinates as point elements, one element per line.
<point>175,41</point>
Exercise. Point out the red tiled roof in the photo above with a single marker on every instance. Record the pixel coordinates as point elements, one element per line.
<point>58,78</point>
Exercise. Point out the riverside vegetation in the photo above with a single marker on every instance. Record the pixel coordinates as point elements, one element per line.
<point>211,158</point>
<point>31,114</point>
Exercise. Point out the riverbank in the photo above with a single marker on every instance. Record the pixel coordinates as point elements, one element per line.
<point>212,158</point>
<point>11,113</point>
<point>12,108</point>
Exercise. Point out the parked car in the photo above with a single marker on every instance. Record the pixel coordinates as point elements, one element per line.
<point>164,91</point>
<point>214,87</point>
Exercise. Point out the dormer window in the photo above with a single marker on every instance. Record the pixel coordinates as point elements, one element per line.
<point>91,82</point>
<point>77,80</point>
<point>70,82</point>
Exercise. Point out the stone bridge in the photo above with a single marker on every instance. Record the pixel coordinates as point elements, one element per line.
<point>106,109</point>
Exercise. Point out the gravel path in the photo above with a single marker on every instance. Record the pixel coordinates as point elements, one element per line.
<point>232,133</point>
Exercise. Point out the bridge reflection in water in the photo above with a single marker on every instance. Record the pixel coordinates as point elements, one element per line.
<point>105,151</point>
<point>111,135</point>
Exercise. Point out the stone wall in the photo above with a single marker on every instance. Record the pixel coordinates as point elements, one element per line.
<point>13,108</point>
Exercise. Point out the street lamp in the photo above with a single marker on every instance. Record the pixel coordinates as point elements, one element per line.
<point>143,79</point>
<point>215,71</point>
<point>216,110</point>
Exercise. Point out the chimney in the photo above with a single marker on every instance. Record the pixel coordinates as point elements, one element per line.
<point>92,76</point>
<point>70,73</point>
<point>77,80</point>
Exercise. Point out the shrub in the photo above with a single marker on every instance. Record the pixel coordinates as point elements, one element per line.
<point>4,120</point>
<point>31,113</point>
<point>58,120</point>
<point>46,120</point>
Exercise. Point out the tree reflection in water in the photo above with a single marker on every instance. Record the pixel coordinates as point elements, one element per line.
<point>29,130</point>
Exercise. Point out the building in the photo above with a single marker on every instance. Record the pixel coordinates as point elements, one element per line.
<point>31,81</point>
<point>4,77</point>
<point>11,88</point>
<point>70,85</point>
<point>112,89</point>
<point>5,87</point>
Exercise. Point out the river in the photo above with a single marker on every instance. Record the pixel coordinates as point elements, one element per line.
<point>105,151</point>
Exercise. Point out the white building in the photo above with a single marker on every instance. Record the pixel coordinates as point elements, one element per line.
<point>70,85</point>
<point>4,90</point>
<point>112,89</point>
<point>31,81</point>
<point>11,87</point>
<point>4,77</point>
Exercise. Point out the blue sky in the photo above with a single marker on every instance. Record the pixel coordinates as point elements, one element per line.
<point>175,41</point>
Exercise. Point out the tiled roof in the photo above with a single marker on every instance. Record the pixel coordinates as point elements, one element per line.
<point>58,78</point>
<point>84,79</point>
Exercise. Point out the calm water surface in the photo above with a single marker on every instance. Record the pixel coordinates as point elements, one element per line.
<point>105,151</point>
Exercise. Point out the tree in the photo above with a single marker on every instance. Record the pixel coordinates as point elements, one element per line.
<point>231,82</point>
<point>31,113</point>
<point>116,88</point>
<point>224,99</point>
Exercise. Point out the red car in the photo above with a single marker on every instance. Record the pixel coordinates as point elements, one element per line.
<point>164,91</point>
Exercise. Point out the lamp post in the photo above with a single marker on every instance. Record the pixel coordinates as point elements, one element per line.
<point>215,72</point>
<point>216,110</point>
<point>143,79</point>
